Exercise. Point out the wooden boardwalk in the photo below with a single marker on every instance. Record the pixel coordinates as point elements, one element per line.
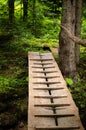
<point>51,106</point>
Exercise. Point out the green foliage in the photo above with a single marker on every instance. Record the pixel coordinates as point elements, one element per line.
<point>4,84</point>
<point>39,31</point>
<point>8,83</point>
<point>4,63</point>
<point>83,28</point>
<point>53,8</point>
<point>79,94</point>
<point>69,81</point>
<point>3,10</point>
<point>82,65</point>
<point>18,9</point>
<point>79,89</point>
<point>40,25</point>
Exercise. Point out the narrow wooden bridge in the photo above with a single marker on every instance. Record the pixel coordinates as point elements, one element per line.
<point>51,106</point>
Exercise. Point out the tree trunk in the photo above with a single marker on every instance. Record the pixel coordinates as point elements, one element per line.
<point>78,14</point>
<point>66,45</point>
<point>34,17</point>
<point>11,10</point>
<point>25,10</point>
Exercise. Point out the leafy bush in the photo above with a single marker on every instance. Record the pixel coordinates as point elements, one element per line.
<point>79,94</point>
<point>83,29</point>
<point>6,83</point>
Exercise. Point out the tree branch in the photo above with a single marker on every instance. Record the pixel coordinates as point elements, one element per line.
<point>74,38</point>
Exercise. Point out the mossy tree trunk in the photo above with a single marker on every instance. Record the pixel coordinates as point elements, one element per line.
<point>71,23</point>
<point>78,15</point>
<point>66,45</point>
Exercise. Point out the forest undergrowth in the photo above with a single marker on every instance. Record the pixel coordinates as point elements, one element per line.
<point>14,78</point>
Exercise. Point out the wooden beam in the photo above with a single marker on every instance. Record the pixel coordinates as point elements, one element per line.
<point>54,115</point>
<point>52,105</point>
<point>58,128</point>
<point>48,88</point>
<point>61,96</point>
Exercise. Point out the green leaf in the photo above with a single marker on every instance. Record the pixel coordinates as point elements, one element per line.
<point>69,81</point>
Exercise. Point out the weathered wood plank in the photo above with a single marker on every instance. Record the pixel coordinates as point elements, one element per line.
<point>47,82</point>
<point>50,96</point>
<point>47,63</point>
<point>49,77</point>
<point>47,88</point>
<point>58,128</point>
<point>53,115</point>
<point>46,67</point>
<point>51,106</point>
<point>45,71</point>
<point>33,122</point>
<point>34,59</point>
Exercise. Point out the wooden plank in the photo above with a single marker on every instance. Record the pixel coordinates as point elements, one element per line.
<point>58,128</point>
<point>34,59</point>
<point>47,63</point>
<point>53,115</point>
<point>49,110</point>
<point>44,67</point>
<point>45,71</point>
<point>49,77</point>
<point>72,107</point>
<point>50,96</point>
<point>31,99</point>
<point>33,122</point>
<point>47,88</point>
<point>51,105</point>
<point>46,82</point>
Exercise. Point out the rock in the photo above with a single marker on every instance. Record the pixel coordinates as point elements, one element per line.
<point>21,125</point>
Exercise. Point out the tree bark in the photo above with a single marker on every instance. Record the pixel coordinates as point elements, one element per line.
<point>74,38</point>
<point>11,10</point>
<point>78,14</point>
<point>34,17</point>
<point>66,45</point>
<point>25,10</point>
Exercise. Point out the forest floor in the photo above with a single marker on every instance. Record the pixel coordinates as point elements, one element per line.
<point>14,82</point>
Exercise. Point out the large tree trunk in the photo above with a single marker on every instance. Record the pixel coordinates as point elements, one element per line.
<point>25,9</point>
<point>78,14</point>
<point>11,10</point>
<point>66,45</point>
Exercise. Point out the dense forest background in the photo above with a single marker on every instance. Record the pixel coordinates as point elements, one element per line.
<point>32,26</point>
